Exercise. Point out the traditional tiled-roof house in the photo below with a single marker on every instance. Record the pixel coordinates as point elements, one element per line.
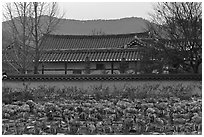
<point>92,54</point>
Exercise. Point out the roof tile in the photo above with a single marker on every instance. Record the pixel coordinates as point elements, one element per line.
<point>94,55</point>
<point>54,42</point>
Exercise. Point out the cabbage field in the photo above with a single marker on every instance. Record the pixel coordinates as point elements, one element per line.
<point>143,110</point>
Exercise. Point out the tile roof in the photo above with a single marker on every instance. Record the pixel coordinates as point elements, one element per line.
<point>94,55</point>
<point>56,42</point>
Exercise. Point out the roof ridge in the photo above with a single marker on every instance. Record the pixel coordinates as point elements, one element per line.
<point>90,50</point>
<point>95,36</point>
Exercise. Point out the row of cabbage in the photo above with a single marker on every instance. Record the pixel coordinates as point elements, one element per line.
<point>75,111</point>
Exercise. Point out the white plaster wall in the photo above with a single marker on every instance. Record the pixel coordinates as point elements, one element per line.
<point>132,65</point>
<point>79,66</point>
<point>75,66</point>
<point>53,65</point>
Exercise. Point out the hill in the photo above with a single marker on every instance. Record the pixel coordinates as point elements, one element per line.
<point>88,27</point>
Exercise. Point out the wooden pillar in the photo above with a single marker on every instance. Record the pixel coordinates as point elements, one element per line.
<point>87,65</point>
<point>42,68</point>
<point>123,66</point>
<point>112,67</point>
<point>65,66</point>
<point>137,66</point>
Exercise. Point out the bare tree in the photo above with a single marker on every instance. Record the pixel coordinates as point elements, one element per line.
<point>28,23</point>
<point>16,53</point>
<point>177,30</point>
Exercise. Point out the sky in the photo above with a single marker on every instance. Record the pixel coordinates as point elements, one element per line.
<point>108,9</point>
<point>93,10</point>
<point>104,10</point>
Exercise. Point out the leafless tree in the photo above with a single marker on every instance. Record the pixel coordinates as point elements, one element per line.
<point>28,22</point>
<point>177,29</point>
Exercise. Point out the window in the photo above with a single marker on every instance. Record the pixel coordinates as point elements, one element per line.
<point>100,66</point>
<point>77,71</point>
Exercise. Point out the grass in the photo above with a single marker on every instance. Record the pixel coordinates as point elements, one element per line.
<point>43,93</point>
